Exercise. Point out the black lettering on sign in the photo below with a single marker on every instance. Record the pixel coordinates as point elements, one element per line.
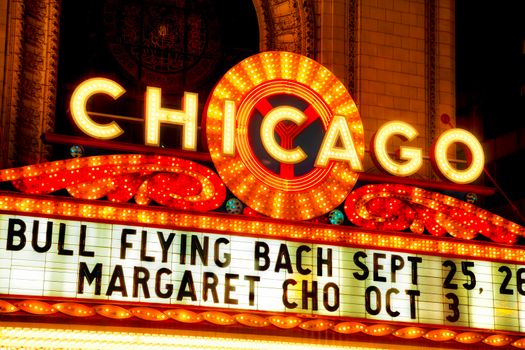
<point>520,280</point>
<point>309,294</point>
<point>187,287</point>
<point>226,257</point>
<point>201,249</point>
<point>368,300</point>
<point>49,237</point>
<point>261,251</point>
<point>124,241</point>
<point>378,267</point>
<point>397,264</point>
<point>117,282</point>
<point>331,286</point>
<point>413,294</point>
<point>364,275</point>
<point>165,244</point>
<point>16,228</point>
<point>321,261</point>
<point>503,289</point>
<point>450,276</point>
<point>229,288</point>
<point>144,247</point>
<point>414,260</point>
<point>90,276</point>
<point>209,283</point>
<point>140,278</point>
<point>168,286</point>
<point>252,280</point>
<point>299,259</point>
<point>286,302</point>
<point>283,259</point>
<point>465,265</point>
<point>182,253</point>
<point>82,248</point>
<point>465,269</point>
<point>388,297</point>
<point>454,306</point>
<point>62,240</point>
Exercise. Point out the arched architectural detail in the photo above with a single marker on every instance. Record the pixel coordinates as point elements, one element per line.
<point>31,71</point>
<point>286,25</point>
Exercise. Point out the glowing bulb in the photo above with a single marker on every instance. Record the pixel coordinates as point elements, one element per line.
<point>78,103</point>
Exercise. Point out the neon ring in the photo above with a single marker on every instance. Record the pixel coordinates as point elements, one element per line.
<point>253,80</point>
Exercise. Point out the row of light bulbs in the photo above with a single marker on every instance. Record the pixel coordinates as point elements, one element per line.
<point>253,320</point>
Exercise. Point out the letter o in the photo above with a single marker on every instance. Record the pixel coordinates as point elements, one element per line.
<point>442,165</point>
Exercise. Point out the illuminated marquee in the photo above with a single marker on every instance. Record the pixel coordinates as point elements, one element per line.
<point>250,86</point>
<point>289,93</point>
<point>115,263</point>
<point>286,138</point>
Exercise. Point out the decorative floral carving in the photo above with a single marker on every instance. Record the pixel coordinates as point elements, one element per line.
<point>289,25</point>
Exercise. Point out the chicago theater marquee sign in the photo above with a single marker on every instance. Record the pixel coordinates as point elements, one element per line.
<point>286,139</point>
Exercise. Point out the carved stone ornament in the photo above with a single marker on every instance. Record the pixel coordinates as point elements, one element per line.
<point>169,43</point>
<point>28,104</point>
<point>287,25</point>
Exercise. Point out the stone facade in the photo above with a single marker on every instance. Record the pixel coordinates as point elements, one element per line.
<point>29,81</point>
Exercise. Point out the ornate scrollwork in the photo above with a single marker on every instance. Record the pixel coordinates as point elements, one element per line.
<point>169,181</point>
<point>400,207</point>
<point>288,25</point>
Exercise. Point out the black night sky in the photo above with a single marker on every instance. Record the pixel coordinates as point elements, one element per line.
<point>490,73</point>
<point>490,63</point>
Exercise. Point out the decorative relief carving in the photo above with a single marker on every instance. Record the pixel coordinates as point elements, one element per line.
<point>36,8</point>
<point>173,44</point>
<point>50,83</point>
<point>352,51</point>
<point>32,91</point>
<point>35,80</point>
<point>430,48</point>
<point>14,66</point>
<point>33,33</point>
<point>287,25</point>
<point>33,61</point>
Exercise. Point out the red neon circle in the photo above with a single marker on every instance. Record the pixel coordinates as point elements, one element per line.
<point>249,83</point>
<point>244,111</point>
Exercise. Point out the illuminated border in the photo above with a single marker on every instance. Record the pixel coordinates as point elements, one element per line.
<point>38,337</point>
<point>285,73</point>
<point>260,227</point>
<point>21,204</point>
<point>250,320</point>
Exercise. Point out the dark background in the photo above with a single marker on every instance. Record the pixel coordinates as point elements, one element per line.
<point>490,77</point>
<point>490,66</point>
